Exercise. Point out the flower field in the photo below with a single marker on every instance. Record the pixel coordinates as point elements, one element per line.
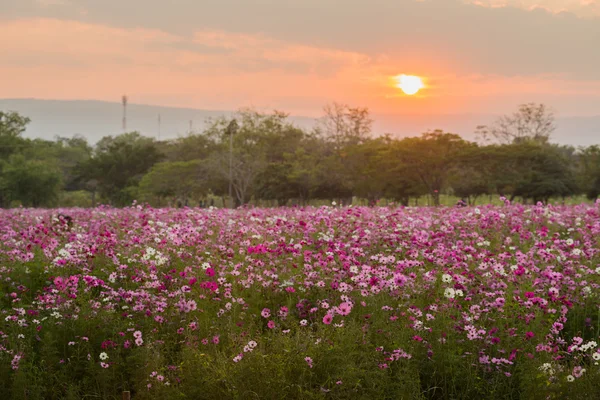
<point>301,303</point>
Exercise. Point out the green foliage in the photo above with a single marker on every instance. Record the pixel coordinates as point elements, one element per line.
<point>589,162</point>
<point>260,158</point>
<point>184,180</point>
<point>117,165</point>
<point>12,125</point>
<point>432,158</point>
<point>31,183</point>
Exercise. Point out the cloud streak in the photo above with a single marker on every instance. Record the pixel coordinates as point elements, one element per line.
<point>581,8</point>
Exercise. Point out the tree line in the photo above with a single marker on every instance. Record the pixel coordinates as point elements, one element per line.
<point>262,157</point>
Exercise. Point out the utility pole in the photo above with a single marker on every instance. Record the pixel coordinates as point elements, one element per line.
<point>191,127</point>
<point>158,135</point>
<point>231,129</point>
<point>124,101</point>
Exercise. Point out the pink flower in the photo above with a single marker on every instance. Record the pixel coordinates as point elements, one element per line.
<point>271,324</point>
<point>15,362</point>
<point>266,313</point>
<point>283,312</point>
<point>344,308</point>
<point>578,372</point>
<point>215,339</point>
<point>309,361</point>
<point>327,319</point>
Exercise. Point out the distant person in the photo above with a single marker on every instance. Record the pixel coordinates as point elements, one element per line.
<point>461,203</point>
<point>63,222</point>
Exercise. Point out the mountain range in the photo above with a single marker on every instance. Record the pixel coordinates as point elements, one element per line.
<point>94,119</point>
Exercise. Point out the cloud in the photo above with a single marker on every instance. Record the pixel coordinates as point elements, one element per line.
<point>221,69</point>
<point>515,39</point>
<point>581,8</point>
<point>50,3</point>
<point>74,59</point>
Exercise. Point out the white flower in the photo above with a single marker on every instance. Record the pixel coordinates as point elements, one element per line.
<point>446,278</point>
<point>449,293</point>
<point>103,356</point>
<point>547,368</point>
<point>569,242</point>
<point>570,378</point>
<point>586,290</point>
<point>596,356</point>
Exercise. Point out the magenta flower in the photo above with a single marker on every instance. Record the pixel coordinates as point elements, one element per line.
<point>529,335</point>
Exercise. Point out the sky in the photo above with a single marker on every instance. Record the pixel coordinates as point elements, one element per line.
<point>475,56</point>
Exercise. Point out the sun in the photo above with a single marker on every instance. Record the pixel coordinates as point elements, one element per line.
<point>409,84</point>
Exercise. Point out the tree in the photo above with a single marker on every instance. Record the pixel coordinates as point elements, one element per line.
<point>117,166</point>
<point>68,153</point>
<point>530,122</point>
<point>472,176</point>
<point>260,140</point>
<point>12,126</point>
<point>432,157</point>
<point>64,153</point>
<point>364,169</point>
<point>33,183</point>
<point>187,148</point>
<point>534,171</point>
<point>184,180</point>
<point>589,171</point>
<point>344,125</point>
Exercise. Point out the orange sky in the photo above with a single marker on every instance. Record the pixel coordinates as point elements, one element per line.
<point>50,53</point>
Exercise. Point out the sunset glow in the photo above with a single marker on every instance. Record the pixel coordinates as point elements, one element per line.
<point>205,57</point>
<point>410,84</point>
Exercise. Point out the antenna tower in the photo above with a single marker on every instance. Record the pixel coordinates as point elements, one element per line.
<point>124,101</point>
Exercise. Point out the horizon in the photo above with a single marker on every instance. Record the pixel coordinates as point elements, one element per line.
<point>94,119</point>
